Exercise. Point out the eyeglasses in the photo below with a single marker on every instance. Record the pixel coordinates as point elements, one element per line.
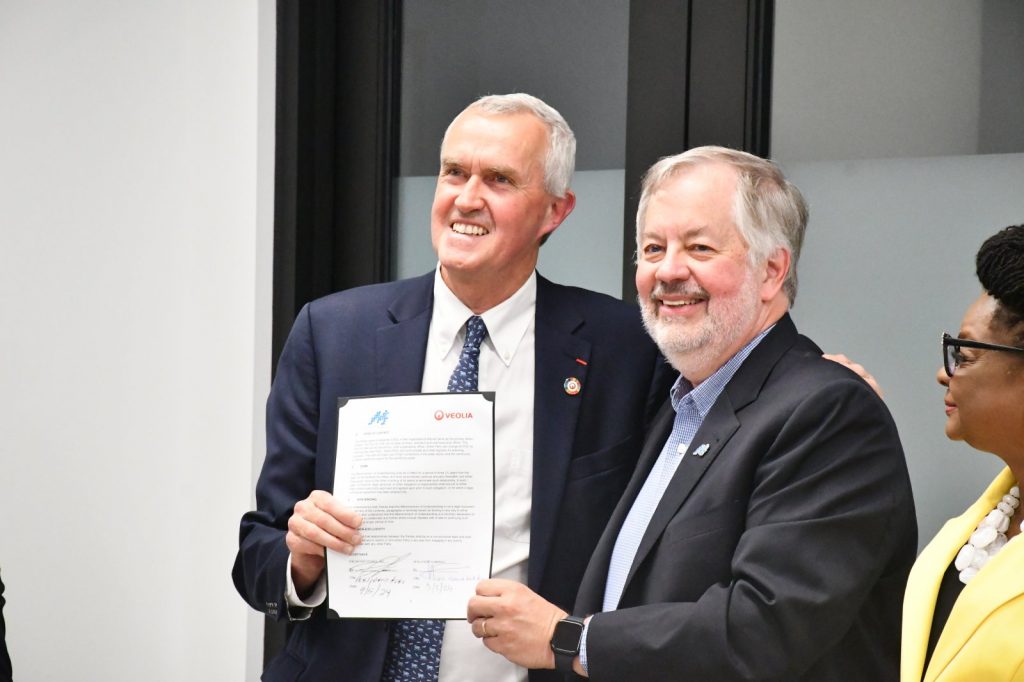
<point>952,357</point>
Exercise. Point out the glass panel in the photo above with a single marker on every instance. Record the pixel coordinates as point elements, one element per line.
<point>573,55</point>
<point>915,78</point>
<point>901,124</point>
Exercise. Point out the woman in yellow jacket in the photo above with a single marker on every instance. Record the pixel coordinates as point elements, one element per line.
<point>963,613</point>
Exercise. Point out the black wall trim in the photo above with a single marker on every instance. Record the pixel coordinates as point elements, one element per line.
<point>699,73</point>
<point>337,149</point>
<point>760,33</point>
<point>657,98</point>
<point>338,69</point>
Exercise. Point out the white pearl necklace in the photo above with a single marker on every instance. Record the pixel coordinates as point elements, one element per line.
<point>990,537</point>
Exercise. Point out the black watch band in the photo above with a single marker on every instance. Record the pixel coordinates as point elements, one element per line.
<point>566,642</point>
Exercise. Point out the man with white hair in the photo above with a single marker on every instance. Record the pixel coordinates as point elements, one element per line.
<point>576,381</point>
<point>769,529</point>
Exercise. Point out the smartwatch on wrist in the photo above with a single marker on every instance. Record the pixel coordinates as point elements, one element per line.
<point>566,642</point>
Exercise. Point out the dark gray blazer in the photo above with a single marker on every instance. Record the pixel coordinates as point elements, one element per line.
<point>783,552</point>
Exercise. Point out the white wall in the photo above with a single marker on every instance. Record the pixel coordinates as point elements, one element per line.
<point>134,330</point>
<point>880,115</point>
<point>888,265</point>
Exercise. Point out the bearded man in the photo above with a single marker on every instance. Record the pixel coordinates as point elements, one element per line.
<point>769,528</point>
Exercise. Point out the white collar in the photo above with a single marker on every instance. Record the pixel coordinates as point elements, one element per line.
<point>506,322</point>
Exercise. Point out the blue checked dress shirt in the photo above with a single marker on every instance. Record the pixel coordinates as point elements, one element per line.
<point>414,648</point>
<point>691,408</point>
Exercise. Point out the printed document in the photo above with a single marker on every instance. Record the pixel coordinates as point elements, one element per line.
<point>419,469</point>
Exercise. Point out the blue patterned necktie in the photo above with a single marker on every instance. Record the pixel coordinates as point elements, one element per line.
<point>464,378</point>
<point>414,648</point>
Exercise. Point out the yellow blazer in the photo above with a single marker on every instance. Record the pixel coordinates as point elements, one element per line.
<point>983,640</point>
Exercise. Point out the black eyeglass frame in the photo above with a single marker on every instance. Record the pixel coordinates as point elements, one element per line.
<point>956,343</point>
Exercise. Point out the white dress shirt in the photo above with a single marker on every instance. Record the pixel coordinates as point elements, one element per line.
<point>507,368</point>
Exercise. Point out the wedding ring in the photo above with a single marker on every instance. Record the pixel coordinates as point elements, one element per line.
<point>483,626</point>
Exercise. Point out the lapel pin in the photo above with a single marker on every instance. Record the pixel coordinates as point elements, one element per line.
<point>572,386</point>
<point>699,452</point>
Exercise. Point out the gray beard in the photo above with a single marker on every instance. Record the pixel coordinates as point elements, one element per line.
<point>699,353</point>
<point>687,354</point>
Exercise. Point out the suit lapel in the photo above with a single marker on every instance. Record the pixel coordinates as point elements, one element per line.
<point>718,427</point>
<point>591,594</point>
<point>720,424</point>
<point>402,345</point>
<point>923,591</point>
<point>1000,581</point>
<point>557,349</point>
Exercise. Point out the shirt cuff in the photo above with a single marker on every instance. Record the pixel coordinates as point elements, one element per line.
<point>301,609</point>
<point>583,647</point>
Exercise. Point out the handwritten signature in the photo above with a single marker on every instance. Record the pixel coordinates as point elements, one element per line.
<point>384,564</point>
<point>376,577</point>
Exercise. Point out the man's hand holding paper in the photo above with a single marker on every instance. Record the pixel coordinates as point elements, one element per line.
<point>319,521</point>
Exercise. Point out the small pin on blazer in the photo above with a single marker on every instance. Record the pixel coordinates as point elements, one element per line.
<point>699,452</point>
<point>572,386</point>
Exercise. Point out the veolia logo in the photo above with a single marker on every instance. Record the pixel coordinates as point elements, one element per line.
<point>441,414</point>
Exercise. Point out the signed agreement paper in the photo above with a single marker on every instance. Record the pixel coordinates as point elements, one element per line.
<point>419,469</point>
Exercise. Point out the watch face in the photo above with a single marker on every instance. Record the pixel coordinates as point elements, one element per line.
<point>567,637</point>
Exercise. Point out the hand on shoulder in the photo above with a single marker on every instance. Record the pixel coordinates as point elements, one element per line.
<point>857,369</point>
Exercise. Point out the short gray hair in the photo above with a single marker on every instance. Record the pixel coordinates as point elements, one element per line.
<point>770,212</point>
<point>560,159</point>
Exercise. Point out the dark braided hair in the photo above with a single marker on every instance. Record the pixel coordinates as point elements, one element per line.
<point>1000,268</point>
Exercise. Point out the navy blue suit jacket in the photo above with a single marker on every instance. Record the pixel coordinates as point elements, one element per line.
<point>782,552</point>
<point>372,340</point>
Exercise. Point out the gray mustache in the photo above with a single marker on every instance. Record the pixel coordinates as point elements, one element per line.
<point>677,289</point>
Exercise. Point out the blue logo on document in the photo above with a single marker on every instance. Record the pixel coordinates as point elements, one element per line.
<point>381,417</point>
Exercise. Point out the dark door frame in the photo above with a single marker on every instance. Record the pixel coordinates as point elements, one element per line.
<point>699,73</point>
<point>336,149</point>
<point>336,152</point>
